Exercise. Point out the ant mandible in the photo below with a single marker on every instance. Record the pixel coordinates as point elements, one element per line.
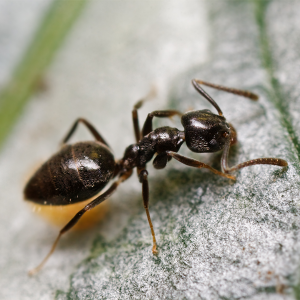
<point>81,170</point>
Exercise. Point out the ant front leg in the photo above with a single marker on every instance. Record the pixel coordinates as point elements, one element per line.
<point>90,127</point>
<point>143,177</point>
<point>258,161</point>
<point>196,164</point>
<point>233,135</point>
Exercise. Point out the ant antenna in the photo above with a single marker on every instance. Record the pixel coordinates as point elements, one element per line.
<point>206,96</point>
<point>196,83</point>
<point>242,93</point>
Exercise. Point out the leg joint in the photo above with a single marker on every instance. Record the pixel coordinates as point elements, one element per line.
<point>143,175</point>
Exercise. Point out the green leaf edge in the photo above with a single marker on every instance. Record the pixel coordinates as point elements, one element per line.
<point>277,96</point>
<point>55,26</point>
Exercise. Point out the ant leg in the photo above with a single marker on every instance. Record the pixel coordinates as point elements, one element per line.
<point>258,161</point>
<point>147,128</point>
<point>143,177</point>
<point>135,118</point>
<point>77,217</point>
<point>91,128</point>
<point>233,135</point>
<point>196,164</point>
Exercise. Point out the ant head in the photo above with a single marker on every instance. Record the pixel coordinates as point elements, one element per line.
<point>205,131</point>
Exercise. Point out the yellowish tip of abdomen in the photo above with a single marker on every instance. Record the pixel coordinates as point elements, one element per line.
<point>60,215</point>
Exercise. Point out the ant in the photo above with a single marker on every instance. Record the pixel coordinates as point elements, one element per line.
<point>80,171</point>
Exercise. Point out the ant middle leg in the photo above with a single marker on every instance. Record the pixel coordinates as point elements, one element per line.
<point>143,177</point>
<point>91,128</point>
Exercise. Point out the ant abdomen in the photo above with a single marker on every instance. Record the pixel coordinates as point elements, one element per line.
<point>76,173</point>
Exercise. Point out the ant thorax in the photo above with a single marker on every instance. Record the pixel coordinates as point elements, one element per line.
<point>158,141</point>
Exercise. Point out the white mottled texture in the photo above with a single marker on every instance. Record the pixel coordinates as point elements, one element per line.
<point>217,239</point>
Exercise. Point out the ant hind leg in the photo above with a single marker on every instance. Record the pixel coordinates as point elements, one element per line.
<point>147,128</point>
<point>77,217</point>
<point>135,118</point>
<point>90,127</point>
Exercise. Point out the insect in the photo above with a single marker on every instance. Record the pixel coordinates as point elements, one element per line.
<point>80,171</point>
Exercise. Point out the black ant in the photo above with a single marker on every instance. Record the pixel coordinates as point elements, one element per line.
<point>80,171</point>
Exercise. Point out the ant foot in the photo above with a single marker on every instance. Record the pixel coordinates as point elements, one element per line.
<point>154,250</point>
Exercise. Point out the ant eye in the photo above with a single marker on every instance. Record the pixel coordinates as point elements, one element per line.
<point>225,134</point>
